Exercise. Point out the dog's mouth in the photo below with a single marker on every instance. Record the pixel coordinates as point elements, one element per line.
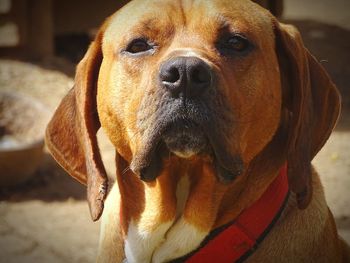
<point>186,138</point>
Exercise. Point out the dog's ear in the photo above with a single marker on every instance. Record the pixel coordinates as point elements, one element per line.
<point>312,103</point>
<point>71,133</point>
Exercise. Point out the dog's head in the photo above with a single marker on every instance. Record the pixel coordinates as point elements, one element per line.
<point>220,80</point>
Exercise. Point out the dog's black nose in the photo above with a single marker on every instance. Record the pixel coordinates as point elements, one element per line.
<point>189,76</point>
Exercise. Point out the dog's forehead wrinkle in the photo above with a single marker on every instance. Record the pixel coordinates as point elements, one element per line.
<point>141,14</point>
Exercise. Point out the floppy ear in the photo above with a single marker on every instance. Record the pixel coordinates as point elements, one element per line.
<point>71,134</point>
<point>313,104</point>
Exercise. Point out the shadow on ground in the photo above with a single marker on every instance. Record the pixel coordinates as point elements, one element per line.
<point>50,183</point>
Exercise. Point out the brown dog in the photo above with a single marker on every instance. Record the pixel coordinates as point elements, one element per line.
<point>204,102</point>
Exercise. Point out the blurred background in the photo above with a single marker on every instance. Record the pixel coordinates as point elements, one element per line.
<point>43,213</point>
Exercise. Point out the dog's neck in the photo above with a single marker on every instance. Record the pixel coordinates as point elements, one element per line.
<point>170,217</point>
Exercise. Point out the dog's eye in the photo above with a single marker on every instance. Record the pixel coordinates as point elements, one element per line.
<point>234,44</point>
<point>237,43</point>
<point>138,46</point>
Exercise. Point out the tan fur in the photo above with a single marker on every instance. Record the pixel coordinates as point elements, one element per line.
<point>279,105</point>
<point>307,235</point>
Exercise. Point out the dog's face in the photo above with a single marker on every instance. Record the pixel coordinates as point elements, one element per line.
<point>220,81</point>
<point>194,78</point>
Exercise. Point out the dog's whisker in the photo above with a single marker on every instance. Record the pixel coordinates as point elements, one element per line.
<point>126,170</point>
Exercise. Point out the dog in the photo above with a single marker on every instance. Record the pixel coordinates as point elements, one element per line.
<point>216,111</point>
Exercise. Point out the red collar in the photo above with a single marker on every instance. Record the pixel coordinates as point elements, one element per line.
<point>241,237</point>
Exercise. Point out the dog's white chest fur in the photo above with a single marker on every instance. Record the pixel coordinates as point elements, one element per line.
<point>169,240</point>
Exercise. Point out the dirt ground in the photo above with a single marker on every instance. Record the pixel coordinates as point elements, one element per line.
<point>46,219</point>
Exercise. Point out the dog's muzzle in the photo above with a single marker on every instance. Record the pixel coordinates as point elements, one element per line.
<point>185,79</point>
<point>187,121</point>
